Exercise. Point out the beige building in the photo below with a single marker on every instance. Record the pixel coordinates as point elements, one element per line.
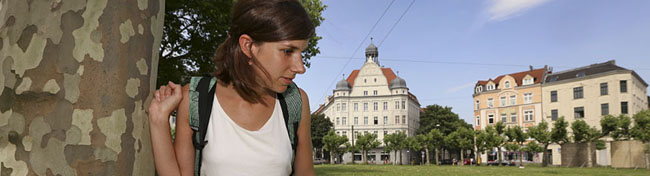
<point>514,99</point>
<point>588,93</point>
<point>372,100</point>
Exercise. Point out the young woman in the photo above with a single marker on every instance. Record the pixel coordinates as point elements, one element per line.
<point>246,132</point>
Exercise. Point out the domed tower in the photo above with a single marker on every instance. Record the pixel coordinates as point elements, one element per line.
<point>398,86</point>
<point>342,88</point>
<point>372,52</point>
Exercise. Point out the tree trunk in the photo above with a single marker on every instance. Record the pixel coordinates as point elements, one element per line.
<point>462,158</point>
<point>395,159</point>
<point>435,151</point>
<point>647,161</point>
<point>500,156</point>
<point>428,159</point>
<point>545,156</point>
<point>76,78</point>
<point>400,157</point>
<point>365,156</point>
<point>589,164</point>
<point>521,157</point>
<point>332,158</point>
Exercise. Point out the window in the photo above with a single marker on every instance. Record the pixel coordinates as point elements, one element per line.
<point>579,112</point>
<point>385,105</point>
<point>374,92</point>
<point>396,104</point>
<point>623,86</point>
<point>344,107</point>
<point>385,120</point>
<point>396,119</point>
<point>504,117</point>
<point>365,120</point>
<point>478,120</point>
<point>375,79</point>
<point>507,84</point>
<point>345,133</point>
<point>404,119</point>
<point>365,92</point>
<point>490,87</point>
<point>375,132</point>
<point>356,120</point>
<point>356,107</point>
<point>528,97</point>
<point>478,105</point>
<point>513,117</point>
<point>338,133</point>
<point>403,104</point>
<point>577,93</point>
<point>337,121</point>
<point>344,121</point>
<point>603,89</point>
<point>604,109</point>
<point>503,101</point>
<point>528,115</point>
<point>375,106</point>
<point>490,102</point>
<point>338,107</point>
<point>513,99</point>
<point>365,107</point>
<point>554,114</point>
<point>528,81</point>
<point>554,96</point>
<point>365,80</point>
<point>580,74</point>
<point>479,89</point>
<point>491,119</point>
<point>623,107</point>
<point>376,120</point>
<point>385,133</point>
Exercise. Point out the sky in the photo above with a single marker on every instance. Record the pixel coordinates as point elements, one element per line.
<point>443,47</point>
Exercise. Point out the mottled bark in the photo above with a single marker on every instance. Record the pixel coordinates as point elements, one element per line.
<point>75,79</point>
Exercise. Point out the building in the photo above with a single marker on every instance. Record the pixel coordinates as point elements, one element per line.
<point>588,93</point>
<point>372,100</point>
<point>514,99</point>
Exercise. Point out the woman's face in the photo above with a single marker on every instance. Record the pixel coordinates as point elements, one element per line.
<point>282,60</point>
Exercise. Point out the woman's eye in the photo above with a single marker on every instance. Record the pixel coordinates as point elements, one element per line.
<point>287,51</point>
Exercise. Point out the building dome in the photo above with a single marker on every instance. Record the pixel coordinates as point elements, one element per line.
<point>398,83</point>
<point>342,85</point>
<point>372,51</point>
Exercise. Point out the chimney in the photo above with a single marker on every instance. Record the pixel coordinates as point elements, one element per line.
<point>531,67</point>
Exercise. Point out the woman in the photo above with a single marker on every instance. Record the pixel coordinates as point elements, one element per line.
<point>258,60</point>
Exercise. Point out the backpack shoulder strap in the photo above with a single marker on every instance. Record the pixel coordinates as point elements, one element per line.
<point>201,97</point>
<point>291,103</point>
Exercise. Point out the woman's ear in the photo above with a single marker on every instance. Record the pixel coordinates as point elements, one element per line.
<point>246,45</point>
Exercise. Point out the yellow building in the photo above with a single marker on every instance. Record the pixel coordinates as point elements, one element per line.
<point>588,93</point>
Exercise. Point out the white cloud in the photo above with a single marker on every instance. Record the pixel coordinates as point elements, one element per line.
<point>500,10</point>
<point>458,88</point>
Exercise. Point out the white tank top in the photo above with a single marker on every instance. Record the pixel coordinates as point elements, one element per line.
<point>233,150</point>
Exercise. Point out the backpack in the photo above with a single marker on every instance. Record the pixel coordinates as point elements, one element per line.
<point>201,97</point>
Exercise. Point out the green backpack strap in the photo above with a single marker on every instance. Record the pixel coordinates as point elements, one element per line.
<point>201,89</point>
<point>291,103</point>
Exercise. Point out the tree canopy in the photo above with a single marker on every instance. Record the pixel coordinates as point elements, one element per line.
<point>442,118</point>
<point>320,126</point>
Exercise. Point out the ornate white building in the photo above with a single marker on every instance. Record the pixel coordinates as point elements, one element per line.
<point>372,100</point>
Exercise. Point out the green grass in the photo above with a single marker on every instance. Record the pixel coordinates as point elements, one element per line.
<point>469,170</point>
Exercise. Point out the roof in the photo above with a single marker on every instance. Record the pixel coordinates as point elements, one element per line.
<point>388,73</point>
<point>537,74</point>
<point>589,70</point>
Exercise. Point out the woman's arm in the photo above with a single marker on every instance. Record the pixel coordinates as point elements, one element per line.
<point>303,164</point>
<point>166,100</point>
<point>183,142</point>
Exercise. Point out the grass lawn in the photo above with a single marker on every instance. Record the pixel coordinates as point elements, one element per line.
<point>469,170</point>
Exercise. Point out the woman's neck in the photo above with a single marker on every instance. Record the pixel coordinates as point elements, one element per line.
<point>229,93</point>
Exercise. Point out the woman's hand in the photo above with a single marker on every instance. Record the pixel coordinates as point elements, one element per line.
<point>166,100</point>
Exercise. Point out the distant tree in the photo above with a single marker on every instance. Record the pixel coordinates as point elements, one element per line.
<point>559,133</point>
<point>366,142</point>
<point>437,141</point>
<point>352,149</point>
<point>517,135</point>
<point>494,139</point>
<point>500,130</point>
<point>641,131</point>
<point>482,145</point>
<point>390,145</point>
<point>320,126</point>
<point>427,143</point>
<point>413,145</point>
<point>542,135</point>
<point>533,147</point>
<point>462,139</point>
<point>332,143</point>
<point>441,118</point>
<point>194,28</point>
<point>582,133</point>
<point>617,127</point>
<point>400,143</point>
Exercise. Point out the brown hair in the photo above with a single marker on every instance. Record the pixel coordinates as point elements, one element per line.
<point>263,21</point>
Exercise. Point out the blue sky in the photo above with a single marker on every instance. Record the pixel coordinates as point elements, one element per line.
<point>442,47</point>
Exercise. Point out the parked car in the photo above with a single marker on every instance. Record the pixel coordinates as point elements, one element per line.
<point>503,163</point>
<point>467,160</point>
<point>319,161</point>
